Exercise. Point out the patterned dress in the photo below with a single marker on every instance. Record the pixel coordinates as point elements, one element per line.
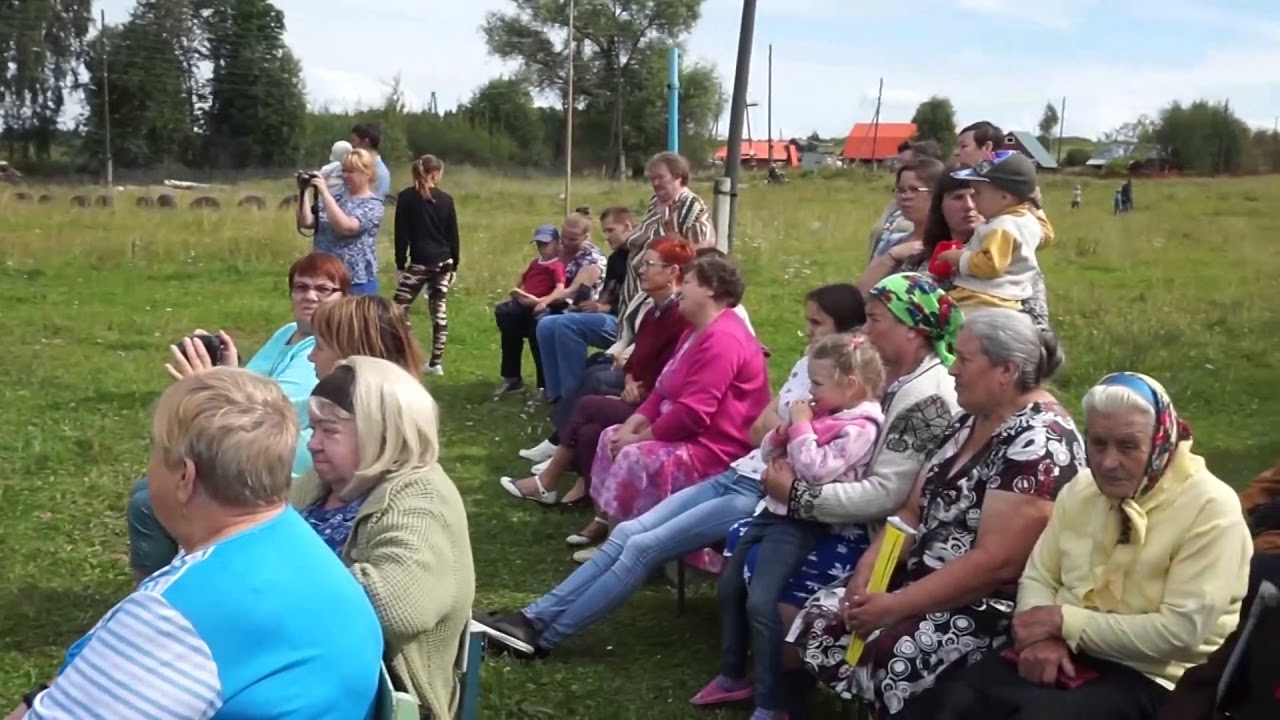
<point>644,473</point>
<point>332,525</point>
<point>1035,452</point>
<point>589,255</point>
<point>356,251</point>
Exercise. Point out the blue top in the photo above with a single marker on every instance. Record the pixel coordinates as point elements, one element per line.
<point>265,624</point>
<point>356,251</point>
<point>291,366</point>
<point>382,179</point>
<point>333,526</point>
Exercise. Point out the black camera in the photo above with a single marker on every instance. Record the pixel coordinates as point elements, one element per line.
<point>303,178</point>
<point>212,346</point>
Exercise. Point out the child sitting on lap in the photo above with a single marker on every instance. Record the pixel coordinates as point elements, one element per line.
<point>832,441</point>
<point>998,266</point>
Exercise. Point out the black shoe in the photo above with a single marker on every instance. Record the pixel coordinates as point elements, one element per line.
<point>511,633</point>
<point>508,386</point>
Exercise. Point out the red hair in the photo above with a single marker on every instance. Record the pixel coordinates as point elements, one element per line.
<point>322,265</point>
<point>674,250</point>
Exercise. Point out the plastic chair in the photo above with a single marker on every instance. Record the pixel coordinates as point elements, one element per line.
<point>468,666</point>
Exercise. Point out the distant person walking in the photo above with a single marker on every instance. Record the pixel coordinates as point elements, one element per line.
<point>1126,196</point>
<point>1077,196</point>
<point>368,136</point>
<point>426,240</point>
<point>1118,204</point>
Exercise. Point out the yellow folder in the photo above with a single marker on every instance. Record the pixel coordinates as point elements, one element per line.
<point>895,532</point>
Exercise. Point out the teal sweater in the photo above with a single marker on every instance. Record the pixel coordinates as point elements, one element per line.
<point>290,365</point>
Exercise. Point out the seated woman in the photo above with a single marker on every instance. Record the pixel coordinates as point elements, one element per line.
<point>582,419</point>
<point>689,520</point>
<point>1138,576</point>
<point>697,418</point>
<point>901,252</point>
<point>368,325</point>
<point>379,498</point>
<point>314,280</point>
<point>978,507</point>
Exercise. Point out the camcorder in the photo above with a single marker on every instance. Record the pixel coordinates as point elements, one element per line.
<point>212,345</point>
<point>303,178</point>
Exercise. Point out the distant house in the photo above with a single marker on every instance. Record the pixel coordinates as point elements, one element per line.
<point>1144,156</point>
<point>812,159</point>
<point>756,153</point>
<point>869,142</point>
<point>1029,145</point>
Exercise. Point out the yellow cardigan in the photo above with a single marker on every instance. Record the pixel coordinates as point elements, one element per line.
<point>1173,598</point>
<point>411,550</point>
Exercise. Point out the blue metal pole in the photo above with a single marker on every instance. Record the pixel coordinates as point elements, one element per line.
<point>673,100</point>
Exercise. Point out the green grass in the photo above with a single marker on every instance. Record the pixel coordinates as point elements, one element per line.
<point>89,299</point>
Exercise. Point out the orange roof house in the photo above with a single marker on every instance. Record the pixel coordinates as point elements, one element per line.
<point>758,151</point>
<point>868,143</point>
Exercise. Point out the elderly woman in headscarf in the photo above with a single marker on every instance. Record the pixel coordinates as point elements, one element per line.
<point>1138,576</point>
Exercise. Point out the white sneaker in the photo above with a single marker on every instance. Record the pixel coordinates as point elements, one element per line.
<point>585,554</point>
<point>539,467</point>
<point>433,369</point>
<point>539,453</point>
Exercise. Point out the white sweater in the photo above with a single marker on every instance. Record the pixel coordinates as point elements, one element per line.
<point>1000,259</point>
<point>917,411</point>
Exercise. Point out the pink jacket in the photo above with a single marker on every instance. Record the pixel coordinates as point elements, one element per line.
<point>831,448</point>
<point>710,393</point>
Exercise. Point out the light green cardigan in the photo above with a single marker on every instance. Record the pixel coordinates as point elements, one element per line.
<point>411,550</point>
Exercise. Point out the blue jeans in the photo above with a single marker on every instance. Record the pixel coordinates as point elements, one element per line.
<point>563,341</point>
<point>690,520</point>
<point>368,287</point>
<point>151,547</point>
<point>751,611</point>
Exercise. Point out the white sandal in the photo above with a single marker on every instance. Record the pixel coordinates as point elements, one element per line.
<point>544,496</point>
<point>581,540</point>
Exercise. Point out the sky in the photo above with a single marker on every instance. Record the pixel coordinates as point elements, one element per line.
<point>997,60</point>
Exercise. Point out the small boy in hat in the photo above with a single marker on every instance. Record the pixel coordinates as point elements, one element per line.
<point>545,274</point>
<point>998,266</point>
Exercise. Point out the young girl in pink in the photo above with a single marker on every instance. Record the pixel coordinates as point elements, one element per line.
<point>831,441</point>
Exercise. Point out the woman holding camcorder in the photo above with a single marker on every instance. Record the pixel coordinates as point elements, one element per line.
<point>347,224</point>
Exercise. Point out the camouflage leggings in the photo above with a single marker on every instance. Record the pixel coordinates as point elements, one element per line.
<point>436,279</point>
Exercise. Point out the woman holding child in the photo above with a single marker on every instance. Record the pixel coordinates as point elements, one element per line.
<point>982,501</point>
<point>348,223</point>
<point>688,520</point>
<point>1138,576</point>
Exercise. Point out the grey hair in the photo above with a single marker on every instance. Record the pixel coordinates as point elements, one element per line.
<point>1011,337</point>
<point>1107,399</point>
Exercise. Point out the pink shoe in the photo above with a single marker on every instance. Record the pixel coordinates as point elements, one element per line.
<point>715,693</point>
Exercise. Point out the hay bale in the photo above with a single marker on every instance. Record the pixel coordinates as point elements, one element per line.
<point>105,201</point>
<point>286,202</point>
<point>253,201</point>
<point>81,201</point>
<point>144,201</point>
<point>165,200</point>
<point>22,196</point>
<point>45,199</point>
<point>205,202</point>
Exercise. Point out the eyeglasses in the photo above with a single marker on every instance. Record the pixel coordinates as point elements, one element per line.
<point>911,190</point>
<point>650,264</point>
<point>323,291</point>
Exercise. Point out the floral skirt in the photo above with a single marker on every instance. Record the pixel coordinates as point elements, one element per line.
<point>641,476</point>
<point>833,558</point>
<point>900,662</point>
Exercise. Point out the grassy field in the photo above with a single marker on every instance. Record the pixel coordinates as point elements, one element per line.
<point>89,299</point>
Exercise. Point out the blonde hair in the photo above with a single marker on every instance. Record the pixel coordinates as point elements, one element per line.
<point>397,422</point>
<point>579,222</point>
<point>854,356</point>
<point>360,160</point>
<point>368,325</point>
<point>424,171</point>
<point>237,428</point>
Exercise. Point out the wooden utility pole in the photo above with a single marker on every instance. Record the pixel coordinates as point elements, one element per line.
<point>769,108</point>
<point>1062,125</point>
<point>875,127</point>
<point>106,99</point>
<point>568,124</point>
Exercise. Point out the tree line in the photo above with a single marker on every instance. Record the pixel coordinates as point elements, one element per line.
<point>1203,137</point>
<point>211,84</point>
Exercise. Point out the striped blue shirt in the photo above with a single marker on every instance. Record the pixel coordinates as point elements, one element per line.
<point>265,624</point>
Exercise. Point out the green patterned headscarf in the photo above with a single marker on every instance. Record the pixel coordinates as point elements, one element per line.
<point>921,305</point>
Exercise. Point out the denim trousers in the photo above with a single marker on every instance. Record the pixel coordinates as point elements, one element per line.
<point>151,547</point>
<point>563,341</point>
<point>750,612</point>
<point>689,520</point>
